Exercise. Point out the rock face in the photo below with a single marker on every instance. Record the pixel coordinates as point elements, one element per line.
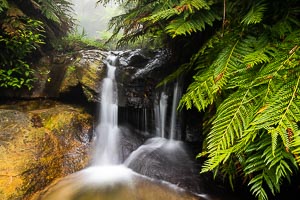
<point>39,142</point>
<point>77,75</point>
<point>138,73</point>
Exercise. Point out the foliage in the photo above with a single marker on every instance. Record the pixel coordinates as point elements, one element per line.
<point>19,37</point>
<point>247,69</point>
<point>24,26</point>
<point>75,41</point>
<point>161,19</point>
<point>252,78</point>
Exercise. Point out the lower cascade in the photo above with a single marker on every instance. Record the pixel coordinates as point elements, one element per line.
<point>153,171</point>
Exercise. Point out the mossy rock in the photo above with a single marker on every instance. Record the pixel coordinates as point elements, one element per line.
<point>39,142</point>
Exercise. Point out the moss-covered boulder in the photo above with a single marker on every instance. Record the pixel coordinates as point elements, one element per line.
<point>39,142</point>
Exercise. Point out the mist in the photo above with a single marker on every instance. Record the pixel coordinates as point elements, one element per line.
<point>92,18</point>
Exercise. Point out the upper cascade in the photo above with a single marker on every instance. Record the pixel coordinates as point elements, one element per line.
<point>107,130</point>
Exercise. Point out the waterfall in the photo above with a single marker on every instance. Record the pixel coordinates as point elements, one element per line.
<point>176,96</point>
<point>163,104</point>
<point>107,131</point>
<point>161,111</point>
<point>160,115</point>
<point>161,158</point>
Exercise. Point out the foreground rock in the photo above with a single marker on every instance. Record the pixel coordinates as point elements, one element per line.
<point>112,183</point>
<point>39,142</point>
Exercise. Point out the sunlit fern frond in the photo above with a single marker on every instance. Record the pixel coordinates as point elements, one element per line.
<point>282,111</point>
<point>200,93</point>
<point>232,119</point>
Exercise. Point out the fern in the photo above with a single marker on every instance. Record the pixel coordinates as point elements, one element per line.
<point>200,93</point>
<point>233,117</point>
<point>197,22</point>
<point>247,68</point>
<point>3,5</point>
<point>262,162</point>
<point>295,146</point>
<point>255,14</point>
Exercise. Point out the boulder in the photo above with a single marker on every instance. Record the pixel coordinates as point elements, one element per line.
<point>39,142</point>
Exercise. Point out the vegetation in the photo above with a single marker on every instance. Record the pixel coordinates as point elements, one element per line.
<point>245,61</point>
<point>24,27</point>
<point>244,57</point>
<point>75,41</point>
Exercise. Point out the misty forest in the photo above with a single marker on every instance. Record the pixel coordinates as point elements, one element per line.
<point>149,99</point>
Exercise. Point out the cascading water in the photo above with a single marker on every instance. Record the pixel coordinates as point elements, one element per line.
<point>176,96</point>
<point>161,114</point>
<point>161,152</point>
<point>108,178</point>
<point>107,131</point>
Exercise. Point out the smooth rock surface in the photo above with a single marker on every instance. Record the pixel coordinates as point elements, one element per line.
<point>39,142</point>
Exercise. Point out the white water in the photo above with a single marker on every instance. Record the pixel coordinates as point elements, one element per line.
<point>176,96</point>
<point>168,145</point>
<point>163,104</point>
<point>107,131</point>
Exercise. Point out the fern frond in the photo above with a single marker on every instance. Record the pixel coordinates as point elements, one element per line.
<point>196,22</point>
<point>295,146</point>
<point>193,5</point>
<point>282,112</point>
<point>255,14</point>
<point>233,117</point>
<point>269,168</point>
<point>162,15</point>
<point>262,52</point>
<point>257,188</point>
<point>3,5</point>
<point>200,93</point>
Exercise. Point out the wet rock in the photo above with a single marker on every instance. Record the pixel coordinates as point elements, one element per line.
<point>130,140</point>
<point>112,183</point>
<point>138,73</point>
<point>166,160</point>
<point>39,142</point>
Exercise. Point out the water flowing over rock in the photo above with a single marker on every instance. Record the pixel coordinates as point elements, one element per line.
<point>113,183</point>
<point>39,142</point>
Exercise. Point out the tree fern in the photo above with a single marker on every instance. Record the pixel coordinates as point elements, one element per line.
<point>250,73</point>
